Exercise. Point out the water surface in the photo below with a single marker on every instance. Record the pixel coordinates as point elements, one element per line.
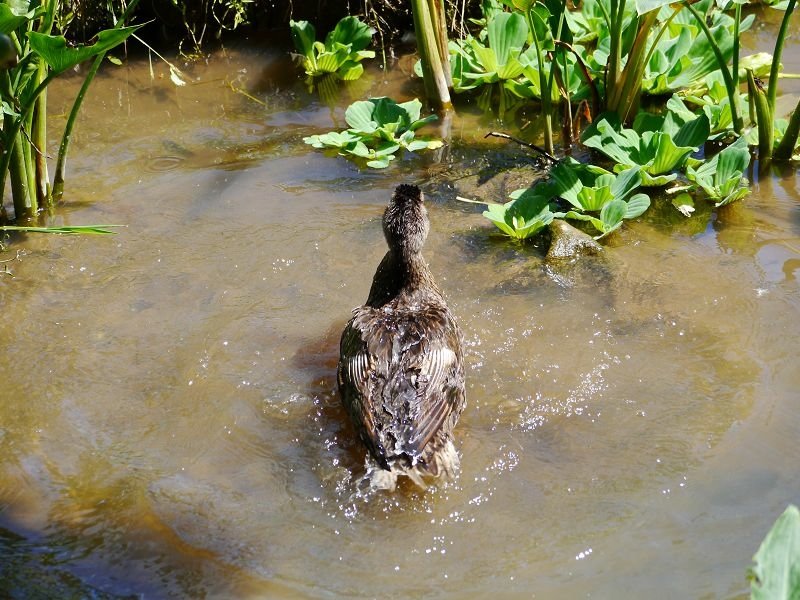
<point>169,425</point>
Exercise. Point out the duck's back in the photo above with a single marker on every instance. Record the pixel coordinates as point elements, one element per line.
<point>401,376</point>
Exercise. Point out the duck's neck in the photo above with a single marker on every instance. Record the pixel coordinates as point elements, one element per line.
<point>400,273</point>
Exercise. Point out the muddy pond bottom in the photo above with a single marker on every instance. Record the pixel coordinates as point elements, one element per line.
<point>169,424</point>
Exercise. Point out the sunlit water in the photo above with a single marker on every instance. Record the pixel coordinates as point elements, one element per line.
<point>169,424</point>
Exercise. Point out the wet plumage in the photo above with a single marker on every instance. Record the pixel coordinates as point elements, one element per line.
<point>401,373</point>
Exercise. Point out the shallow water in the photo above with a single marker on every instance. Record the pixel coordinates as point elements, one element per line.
<point>169,424</point>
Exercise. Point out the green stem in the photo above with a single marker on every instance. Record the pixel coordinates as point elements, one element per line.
<point>39,128</point>
<point>544,87</point>
<point>787,144</point>
<point>723,67</point>
<point>433,72</point>
<point>63,148</point>
<point>15,167</point>
<point>39,139</point>
<point>764,118</point>
<point>772,90</point>
<point>438,20</point>
<point>12,129</point>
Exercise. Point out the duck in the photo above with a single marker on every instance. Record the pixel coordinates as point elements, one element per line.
<point>401,361</point>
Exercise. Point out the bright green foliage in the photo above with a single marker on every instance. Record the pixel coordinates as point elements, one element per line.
<point>524,216</point>
<point>594,195</point>
<point>776,574</point>
<point>55,52</point>
<point>342,51</point>
<point>592,189</point>
<point>721,177</point>
<point>379,127</point>
<point>657,145</point>
<point>25,28</point>
<point>475,63</point>
<point>683,55</point>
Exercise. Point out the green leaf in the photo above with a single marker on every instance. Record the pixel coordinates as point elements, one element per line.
<point>359,116</point>
<point>303,36</point>
<point>776,574</point>
<point>54,50</point>
<point>350,31</point>
<point>636,206</point>
<point>645,6</point>
<point>612,215</point>
<point>507,31</point>
<point>67,230</point>
<point>10,21</point>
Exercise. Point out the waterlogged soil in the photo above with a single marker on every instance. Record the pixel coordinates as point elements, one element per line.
<point>169,424</point>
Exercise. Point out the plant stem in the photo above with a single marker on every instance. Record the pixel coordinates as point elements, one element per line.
<point>789,141</point>
<point>764,118</point>
<point>39,128</point>
<point>61,162</point>
<point>11,131</point>
<point>723,67</point>
<point>438,20</point>
<point>772,90</point>
<point>433,71</point>
<point>39,141</point>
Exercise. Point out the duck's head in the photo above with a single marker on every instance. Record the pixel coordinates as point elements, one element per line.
<point>405,220</point>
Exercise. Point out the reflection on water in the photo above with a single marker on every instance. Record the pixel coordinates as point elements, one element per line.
<point>169,423</point>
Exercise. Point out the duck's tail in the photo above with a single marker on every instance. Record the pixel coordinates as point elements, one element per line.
<point>441,462</point>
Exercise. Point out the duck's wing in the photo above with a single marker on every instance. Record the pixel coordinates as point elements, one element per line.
<point>359,374</point>
<point>439,398</point>
<point>401,378</point>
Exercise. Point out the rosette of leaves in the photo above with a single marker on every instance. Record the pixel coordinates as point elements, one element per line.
<point>657,145</point>
<point>342,51</point>
<point>683,55</point>
<point>379,127</point>
<point>721,177</point>
<point>525,215</point>
<point>475,63</point>
<point>592,189</point>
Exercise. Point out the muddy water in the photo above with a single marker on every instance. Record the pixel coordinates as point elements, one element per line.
<point>169,425</point>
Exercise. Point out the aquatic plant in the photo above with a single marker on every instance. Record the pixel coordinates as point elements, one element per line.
<point>41,57</point>
<point>379,127</point>
<point>764,103</point>
<point>776,573</point>
<point>657,144</point>
<point>525,215</point>
<point>592,189</point>
<point>476,63</point>
<point>683,55</point>
<point>342,51</point>
<point>65,230</point>
<point>721,177</point>
<point>432,45</point>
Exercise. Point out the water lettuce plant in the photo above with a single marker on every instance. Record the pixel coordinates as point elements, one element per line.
<point>475,63</point>
<point>764,103</point>
<point>525,215</point>
<point>592,189</point>
<point>657,144</point>
<point>379,127</point>
<point>683,55</point>
<point>776,573</point>
<point>722,177</point>
<point>340,53</point>
<point>591,193</point>
<point>34,58</point>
